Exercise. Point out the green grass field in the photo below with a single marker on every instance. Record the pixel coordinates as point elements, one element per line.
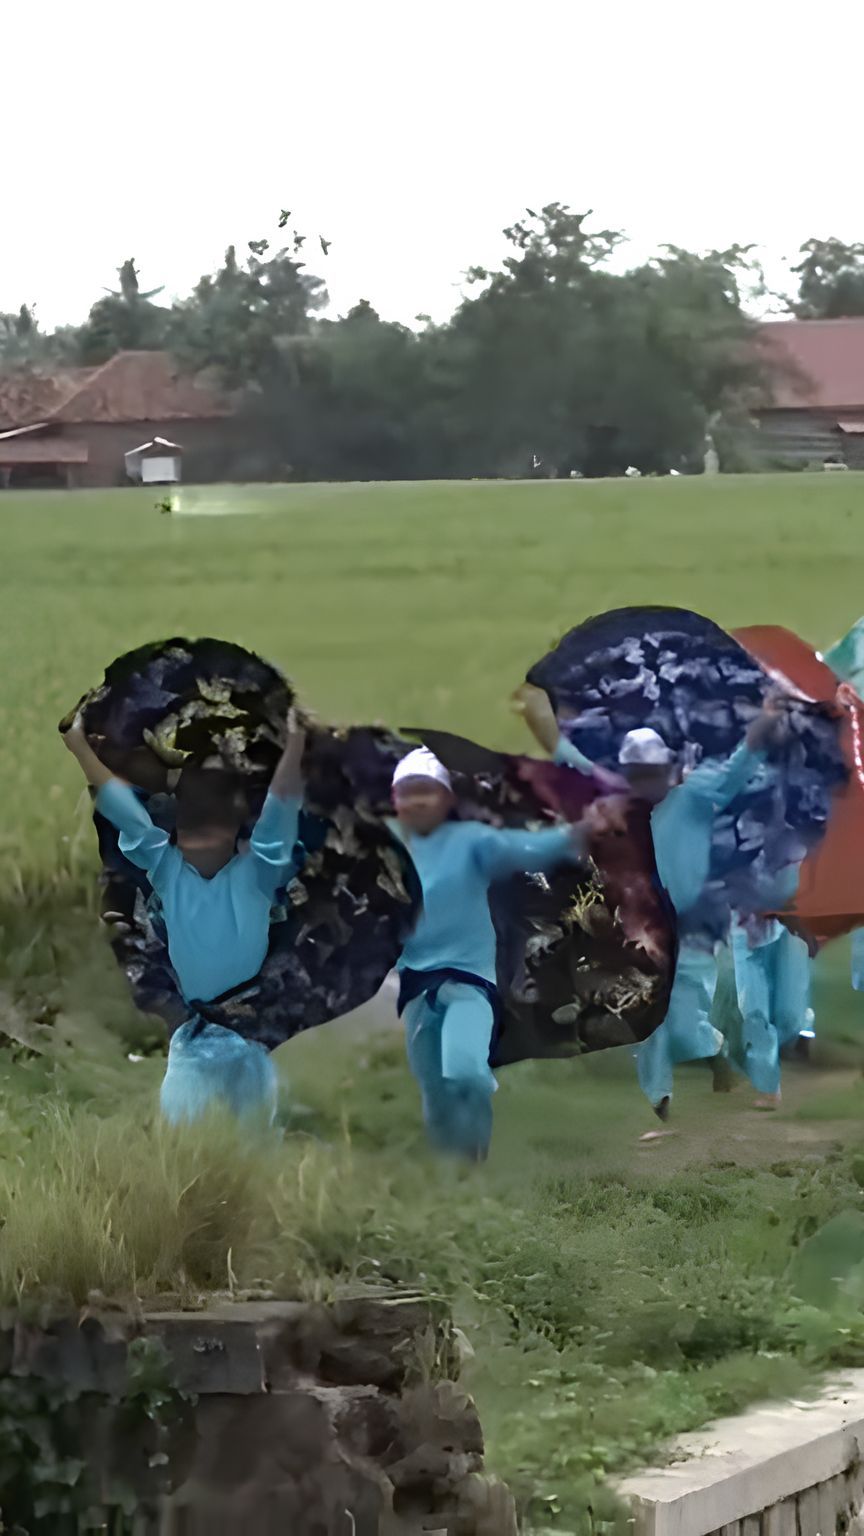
<point>614,1292</point>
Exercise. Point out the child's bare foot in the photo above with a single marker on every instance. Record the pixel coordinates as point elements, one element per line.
<point>768,1101</point>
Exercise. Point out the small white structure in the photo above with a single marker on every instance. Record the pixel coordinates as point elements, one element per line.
<point>156,463</point>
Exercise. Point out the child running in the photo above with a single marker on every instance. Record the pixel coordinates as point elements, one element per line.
<point>216,900</point>
<point>448,991</point>
<point>683,809</point>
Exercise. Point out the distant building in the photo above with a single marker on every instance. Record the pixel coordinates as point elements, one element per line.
<point>74,427</point>
<point>816,409</point>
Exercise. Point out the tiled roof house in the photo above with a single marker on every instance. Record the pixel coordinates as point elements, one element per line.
<point>73,426</point>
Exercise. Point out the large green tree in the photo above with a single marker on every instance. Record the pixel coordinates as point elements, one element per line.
<point>368,400</point>
<point>521,346</point>
<point>830,280</point>
<point>125,320</point>
<point>250,324</point>
<point>246,319</point>
<point>23,343</point>
<point>567,363</point>
<point>677,358</point>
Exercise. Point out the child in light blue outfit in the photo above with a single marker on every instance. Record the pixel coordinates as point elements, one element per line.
<point>772,977</point>
<point>448,993</point>
<point>682,823</point>
<point>216,903</point>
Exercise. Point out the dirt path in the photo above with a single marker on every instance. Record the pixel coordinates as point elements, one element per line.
<point>717,1128</point>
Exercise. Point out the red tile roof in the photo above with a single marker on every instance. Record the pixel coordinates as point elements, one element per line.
<point>141,386</point>
<point>820,363</point>
<point>27,395</point>
<point>133,386</point>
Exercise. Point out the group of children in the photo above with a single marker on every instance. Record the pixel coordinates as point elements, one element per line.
<point>215,894</point>
<point>771,965</point>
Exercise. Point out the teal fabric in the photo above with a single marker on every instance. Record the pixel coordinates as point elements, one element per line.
<point>448,1052</point>
<point>217,1066</point>
<point>218,929</point>
<point>218,933</point>
<point>846,657</point>
<point>686,1033</point>
<point>456,865</point>
<point>773,982</point>
<point>682,825</point>
<point>448,1042</point>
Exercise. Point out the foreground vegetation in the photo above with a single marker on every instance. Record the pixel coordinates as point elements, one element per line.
<point>613,1292</point>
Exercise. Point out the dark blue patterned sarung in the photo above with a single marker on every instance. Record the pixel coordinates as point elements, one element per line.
<point>681,674</point>
<point>574,974</point>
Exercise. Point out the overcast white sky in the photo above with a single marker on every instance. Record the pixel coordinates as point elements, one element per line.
<point>410,131</point>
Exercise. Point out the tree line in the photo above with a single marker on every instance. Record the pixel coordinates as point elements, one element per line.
<point>554,362</point>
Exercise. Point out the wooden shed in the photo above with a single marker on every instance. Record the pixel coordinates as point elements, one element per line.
<point>155,463</point>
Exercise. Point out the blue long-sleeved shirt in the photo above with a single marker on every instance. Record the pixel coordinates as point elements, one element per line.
<point>456,865</point>
<point>682,824</point>
<point>218,929</point>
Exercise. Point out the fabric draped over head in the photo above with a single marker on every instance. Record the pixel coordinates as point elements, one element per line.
<point>585,958</point>
<point>206,710</point>
<point>677,673</point>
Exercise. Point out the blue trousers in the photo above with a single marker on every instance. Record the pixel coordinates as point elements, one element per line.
<point>686,1033</point>
<point>217,1067</point>
<point>448,1053</point>
<point>773,982</point>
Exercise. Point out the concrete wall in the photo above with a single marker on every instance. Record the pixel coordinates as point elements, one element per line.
<point>791,1469</point>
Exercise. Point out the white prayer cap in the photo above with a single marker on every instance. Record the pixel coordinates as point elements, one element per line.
<point>645,747</point>
<point>422,764</point>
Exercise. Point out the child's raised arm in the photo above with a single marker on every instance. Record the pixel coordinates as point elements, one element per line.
<point>93,769</point>
<point>140,841</point>
<point>274,836</point>
<point>287,781</point>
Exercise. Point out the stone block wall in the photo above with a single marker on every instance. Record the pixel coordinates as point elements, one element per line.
<point>299,1420</point>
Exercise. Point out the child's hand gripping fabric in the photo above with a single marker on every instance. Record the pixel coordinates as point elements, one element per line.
<point>94,771</point>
